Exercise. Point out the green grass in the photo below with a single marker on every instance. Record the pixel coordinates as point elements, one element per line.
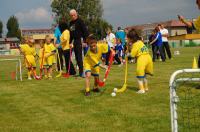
<point>59,104</point>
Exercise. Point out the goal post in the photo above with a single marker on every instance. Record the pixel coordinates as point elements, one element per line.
<point>17,68</point>
<point>185,100</point>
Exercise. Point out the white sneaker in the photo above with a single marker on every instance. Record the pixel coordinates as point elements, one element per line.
<point>146,89</point>
<point>29,78</point>
<point>141,91</point>
<point>120,65</point>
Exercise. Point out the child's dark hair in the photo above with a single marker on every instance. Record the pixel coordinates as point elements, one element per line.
<point>134,35</point>
<point>63,26</point>
<point>91,39</point>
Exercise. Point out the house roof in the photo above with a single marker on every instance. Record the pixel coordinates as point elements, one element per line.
<point>37,29</point>
<point>168,24</point>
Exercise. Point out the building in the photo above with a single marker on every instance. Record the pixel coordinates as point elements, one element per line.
<point>175,28</point>
<point>9,45</point>
<point>37,34</point>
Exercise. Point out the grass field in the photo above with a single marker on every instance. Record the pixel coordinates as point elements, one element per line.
<point>59,104</point>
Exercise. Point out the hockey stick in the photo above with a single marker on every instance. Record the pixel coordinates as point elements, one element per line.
<point>102,83</point>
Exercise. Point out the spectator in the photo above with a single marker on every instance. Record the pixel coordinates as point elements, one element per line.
<point>57,34</point>
<point>120,34</point>
<point>153,46</point>
<point>119,52</point>
<point>166,46</point>
<point>194,25</point>
<point>158,45</point>
<point>111,40</point>
<point>65,38</point>
<point>78,30</point>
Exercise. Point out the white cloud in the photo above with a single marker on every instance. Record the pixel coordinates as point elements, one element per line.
<point>130,12</point>
<point>34,16</point>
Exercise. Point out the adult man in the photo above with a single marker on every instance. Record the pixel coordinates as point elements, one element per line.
<point>165,34</point>
<point>120,34</point>
<point>78,31</point>
<point>194,25</point>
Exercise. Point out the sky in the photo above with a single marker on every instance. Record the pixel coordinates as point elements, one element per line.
<point>37,13</point>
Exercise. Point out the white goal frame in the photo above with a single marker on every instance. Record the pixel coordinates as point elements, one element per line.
<point>19,64</point>
<point>173,96</point>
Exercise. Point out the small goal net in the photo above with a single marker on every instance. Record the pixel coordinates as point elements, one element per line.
<point>10,69</point>
<point>185,100</point>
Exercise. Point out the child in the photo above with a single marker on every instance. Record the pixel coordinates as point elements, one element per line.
<point>49,56</point>
<point>119,52</point>
<point>28,50</point>
<point>157,41</point>
<point>92,62</point>
<point>67,50</point>
<point>41,59</point>
<point>144,60</point>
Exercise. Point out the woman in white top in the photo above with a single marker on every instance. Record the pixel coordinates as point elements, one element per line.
<point>111,40</point>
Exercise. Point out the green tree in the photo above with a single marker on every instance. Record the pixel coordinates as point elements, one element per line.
<point>90,11</point>
<point>13,27</point>
<point>1,28</point>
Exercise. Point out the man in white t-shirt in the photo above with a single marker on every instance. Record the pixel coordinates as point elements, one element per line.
<point>166,46</point>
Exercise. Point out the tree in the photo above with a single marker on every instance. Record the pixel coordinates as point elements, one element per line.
<point>90,11</point>
<point>1,28</point>
<point>13,27</point>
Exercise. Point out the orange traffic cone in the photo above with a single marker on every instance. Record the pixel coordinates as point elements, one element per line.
<point>194,64</point>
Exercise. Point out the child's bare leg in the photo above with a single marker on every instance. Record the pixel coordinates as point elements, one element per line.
<point>120,58</point>
<point>87,81</point>
<point>96,80</point>
<point>141,85</point>
<point>29,73</point>
<point>34,72</point>
<point>45,73</point>
<point>145,82</point>
<point>50,72</point>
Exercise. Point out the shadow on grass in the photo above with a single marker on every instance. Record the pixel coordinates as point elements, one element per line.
<point>132,88</point>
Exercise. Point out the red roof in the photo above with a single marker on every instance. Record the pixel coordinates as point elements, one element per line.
<point>171,23</point>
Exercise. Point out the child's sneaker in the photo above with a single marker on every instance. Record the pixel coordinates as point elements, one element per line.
<point>87,93</point>
<point>141,91</point>
<point>120,65</point>
<point>146,89</point>
<point>29,78</point>
<point>45,76</point>
<point>50,77</point>
<point>37,77</point>
<point>96,90</point>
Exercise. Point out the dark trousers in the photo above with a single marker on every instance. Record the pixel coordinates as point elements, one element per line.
<point>157,55</point>
<point>67,61</point>
<point>167,49</point>
<point>78,54</point>
<point>107,57</point>
<point>160,48</point>
<point>117,59</point>
<point>60,65</point>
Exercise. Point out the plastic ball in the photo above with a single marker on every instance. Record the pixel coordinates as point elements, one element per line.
<point>115,90</point>
<point>113,94</point>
